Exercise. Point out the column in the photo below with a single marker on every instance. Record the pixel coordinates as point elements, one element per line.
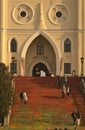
<point>83,35</point>
<point>80,36</point>
<point>3,31</point>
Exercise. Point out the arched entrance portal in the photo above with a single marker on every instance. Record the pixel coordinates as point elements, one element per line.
<point>48,54</point>
<point>40,69</point>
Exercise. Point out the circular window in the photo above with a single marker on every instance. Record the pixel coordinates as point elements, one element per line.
<point>58,14</point>
<point>22,13</point>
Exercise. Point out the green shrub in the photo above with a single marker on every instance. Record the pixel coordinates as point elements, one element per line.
<point>6,90</point>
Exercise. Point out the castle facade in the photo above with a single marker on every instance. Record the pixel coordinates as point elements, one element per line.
<point>43,35</point>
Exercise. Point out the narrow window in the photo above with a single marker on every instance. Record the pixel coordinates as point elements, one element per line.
<point>13,65</point>
<point>40,48</point>
<point>13,45</point>
<point>13,68</point>
<point>67,45</point>
<point>67,68</point>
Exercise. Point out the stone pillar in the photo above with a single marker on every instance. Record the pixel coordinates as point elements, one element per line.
<point>22,65</point>
<point>80,36</point>
<point>83,33</point>
<point>61,65</point>
<point>3,31</point>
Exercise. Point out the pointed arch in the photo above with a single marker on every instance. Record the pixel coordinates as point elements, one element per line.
<point>29,41</point>
<point>51,41</point>
<point>69,42</point>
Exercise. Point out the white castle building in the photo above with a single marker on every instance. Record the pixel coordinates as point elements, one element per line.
<point>43,35</point>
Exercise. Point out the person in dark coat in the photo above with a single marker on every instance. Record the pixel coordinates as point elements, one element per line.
<point>65,79</point>
<point>74,117</point>
<point>59,81</point>
<point>78,118</point>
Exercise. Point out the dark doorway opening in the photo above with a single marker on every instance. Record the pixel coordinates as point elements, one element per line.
<point>38,68</point>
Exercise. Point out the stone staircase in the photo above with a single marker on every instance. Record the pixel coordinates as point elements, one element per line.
<point>77,95</point>
<point>45,102</point>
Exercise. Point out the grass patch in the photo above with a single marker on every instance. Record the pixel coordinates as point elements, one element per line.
<point>40,127</point>
<point>48,117</point>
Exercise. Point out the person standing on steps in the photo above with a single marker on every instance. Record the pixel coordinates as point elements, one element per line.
<point>63,90</point>
<point>68,91</point>
<point>59,81</point>
<point>78,118</point>
<point>23,96</point>
<point>74,117</point>
<point>65,79</point>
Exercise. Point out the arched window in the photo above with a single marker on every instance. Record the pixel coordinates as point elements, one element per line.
<point>13,45</point>
<point>67,45</point>
<point>40,48</point>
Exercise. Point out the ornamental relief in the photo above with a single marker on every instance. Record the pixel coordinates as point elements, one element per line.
<point>22,13</point>
<point>58,14</point>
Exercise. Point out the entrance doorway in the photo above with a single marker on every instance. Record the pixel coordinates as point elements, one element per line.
<point>40,69</point>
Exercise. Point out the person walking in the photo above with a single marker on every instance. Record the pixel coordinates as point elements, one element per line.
<point>74,117</point>
<point>25,98</point>
<point>63,90</point>
<point>65,79</point>
<point>68,91</point>
<point>78,118</point>
<point>59,81</point>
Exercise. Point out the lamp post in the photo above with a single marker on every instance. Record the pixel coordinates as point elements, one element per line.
<point>82,61</point>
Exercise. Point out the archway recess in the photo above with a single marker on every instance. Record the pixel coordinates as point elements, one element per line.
<point>51,42</point>
<point>40,70</point>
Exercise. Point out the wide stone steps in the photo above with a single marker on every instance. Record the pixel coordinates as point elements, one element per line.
<point>44,92</point>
